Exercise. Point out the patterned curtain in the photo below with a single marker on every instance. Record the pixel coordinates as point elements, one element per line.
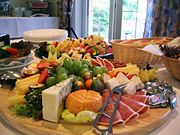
<point>163,18</point>
<point>63,12</point>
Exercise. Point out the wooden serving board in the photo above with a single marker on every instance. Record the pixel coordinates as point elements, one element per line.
<point>145,123</point>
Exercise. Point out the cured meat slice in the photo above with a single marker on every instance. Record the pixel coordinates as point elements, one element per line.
<point>135,105</point>
<point>142,92</point>
<point>140,98</point>
<point>105,94</point>
<point>126,112</point>
<point>104,120</point>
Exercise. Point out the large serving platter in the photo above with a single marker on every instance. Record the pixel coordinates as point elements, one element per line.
<point>146,123</point>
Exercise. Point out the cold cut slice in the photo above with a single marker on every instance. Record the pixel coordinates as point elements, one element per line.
<point>105,119</point>
<point>141,92</point>
<point>105,94</point>
<point>126,112</point>
<point>140,98</point>
<point>135,105</point>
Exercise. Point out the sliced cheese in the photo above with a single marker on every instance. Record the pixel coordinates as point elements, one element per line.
<point>136,80</point>
<point>132,69</point>
<point>133,85</point>
<point>122,79</point>
<point>52,100</point>
<point>130,88</point>
<point>106,77</point>
<point>112,83</point>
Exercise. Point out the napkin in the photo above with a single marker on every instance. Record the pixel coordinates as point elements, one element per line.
<point>154,49</point>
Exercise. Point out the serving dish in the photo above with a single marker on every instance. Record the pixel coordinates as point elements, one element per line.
<point>86,84</point>
<point>129,51</point>
<point>44,35</point>
<point>144,125</point>
<point>172,65</point>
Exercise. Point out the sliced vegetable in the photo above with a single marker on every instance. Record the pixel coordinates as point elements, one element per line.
<point>12,51</point>
<point>43,65</point>
<point>43,76</point>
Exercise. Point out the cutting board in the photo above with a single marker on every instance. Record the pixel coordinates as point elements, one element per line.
<point>145,123</point>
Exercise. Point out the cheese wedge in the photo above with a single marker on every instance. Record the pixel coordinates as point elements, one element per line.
<point>112,83</point>
<point>122,79</point>
<point>52,100</point>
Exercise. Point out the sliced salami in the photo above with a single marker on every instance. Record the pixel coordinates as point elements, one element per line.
<point>135,105</point>
<point>104,120</point>
<point>140,98</point>
<point>126,112</point>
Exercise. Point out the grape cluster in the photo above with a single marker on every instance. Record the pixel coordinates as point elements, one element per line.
<point>171,51</point>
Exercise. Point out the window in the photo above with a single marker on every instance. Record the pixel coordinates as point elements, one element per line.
<point>99,17</point>
<point>116,18</point>
<point>133,18</point>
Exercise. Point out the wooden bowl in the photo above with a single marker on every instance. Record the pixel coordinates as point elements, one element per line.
<point>173,66</point>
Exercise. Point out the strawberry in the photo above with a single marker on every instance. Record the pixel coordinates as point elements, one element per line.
<point>12,51</point>
<point>43,65</point>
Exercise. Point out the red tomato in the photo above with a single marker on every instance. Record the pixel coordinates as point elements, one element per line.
<point>12,51</point>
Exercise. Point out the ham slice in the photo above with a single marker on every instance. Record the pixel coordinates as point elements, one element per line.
<point>104,120</point>
<point>126,112</point>
<point>140,98</point>
<point>142,92</point>
<point>105,94</point>
<point>129,107</point>
<point>135,105</point>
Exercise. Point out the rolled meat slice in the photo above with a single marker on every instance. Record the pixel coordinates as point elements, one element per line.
<point>141,92</point>
<point>104,120</point>
<point>135,105</point>
<point>105,94</point>
<point>126,112</point>
<point>140,98</point>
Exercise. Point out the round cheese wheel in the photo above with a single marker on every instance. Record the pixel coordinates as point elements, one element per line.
<point>83,100</point>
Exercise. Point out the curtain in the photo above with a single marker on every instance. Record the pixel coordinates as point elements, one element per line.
<point>63,12</point>
<point>163,18</point>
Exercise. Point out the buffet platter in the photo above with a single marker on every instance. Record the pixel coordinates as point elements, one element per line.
<point>71,89</point>
<point>145,124</point>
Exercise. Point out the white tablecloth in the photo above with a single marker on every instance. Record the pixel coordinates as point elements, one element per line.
<point>15,26</point>
<point>170,127</point>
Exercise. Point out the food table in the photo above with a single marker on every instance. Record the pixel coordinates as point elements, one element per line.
<point>15,26</point>
<point>169,127</point>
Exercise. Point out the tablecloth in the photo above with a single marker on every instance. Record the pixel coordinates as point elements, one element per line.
<point>15,26</point>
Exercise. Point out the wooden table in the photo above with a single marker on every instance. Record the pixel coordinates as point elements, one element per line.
<point>168,127</point>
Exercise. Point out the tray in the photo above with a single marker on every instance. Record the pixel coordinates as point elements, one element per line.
<point>145,123</point>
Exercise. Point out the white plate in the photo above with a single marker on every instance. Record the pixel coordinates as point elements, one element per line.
<point>45,35</point>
